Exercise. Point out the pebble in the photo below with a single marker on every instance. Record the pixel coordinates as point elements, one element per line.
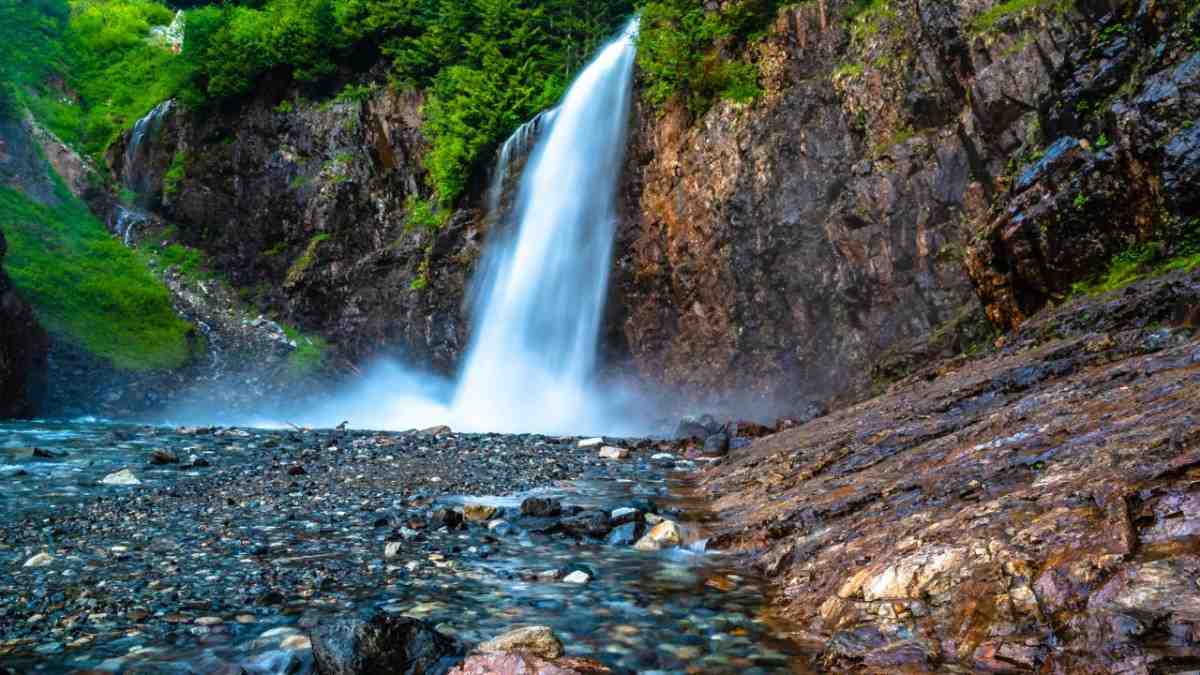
<point>537,640</point>
<point>478,513</point>
<point>577,577</point>
<point>611,452</point>
<point>591,442</point>
<point>122,477</point>
<point>663,535</point>
<point>39,560</point>
<point>392,549</point>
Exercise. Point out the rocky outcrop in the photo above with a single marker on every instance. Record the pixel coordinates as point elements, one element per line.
<point>23,346</point>
<point>304,206</point>
<point>1117,164</point>
<point>1034,509</point>
<point>779,249</point>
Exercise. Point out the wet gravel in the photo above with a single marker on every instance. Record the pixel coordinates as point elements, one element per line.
<point>234,543</point>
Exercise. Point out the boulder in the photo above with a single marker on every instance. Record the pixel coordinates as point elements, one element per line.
<point>663,535</point>
<point>479,513</point>
<point>611,452</point>
<point>593,524</point>
<point>122,477</point>
<point>382,645</point>
<point>448,518</point>
<point>525,664</point>
<point>539,507</point>
<point>536,640</point>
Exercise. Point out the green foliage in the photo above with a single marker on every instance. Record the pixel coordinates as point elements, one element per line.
<point>189,261</point>
<point>992,19</point>
<point>683,50</point>
<point>309,354</point>
<point>423,214</point>
<point>87,286</point>
<point>175,174</point>
<point>30,46</point>
<point>356,93</point>
<point>1147,260</point>
<point>306,260</point>
<point>847,71</point>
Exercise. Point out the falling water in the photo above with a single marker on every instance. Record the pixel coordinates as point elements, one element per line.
<point>136,176</point>
<point>531,361</point>
<point>538,296</point>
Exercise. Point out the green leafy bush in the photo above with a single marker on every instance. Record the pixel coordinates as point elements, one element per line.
<point>684,50</point>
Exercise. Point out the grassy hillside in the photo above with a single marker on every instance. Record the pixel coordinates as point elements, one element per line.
<point>85,285</point>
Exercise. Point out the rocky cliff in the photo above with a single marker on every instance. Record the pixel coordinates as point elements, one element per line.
<point>1030,510</point>
<point>905,162</point>
<point>22,348</point>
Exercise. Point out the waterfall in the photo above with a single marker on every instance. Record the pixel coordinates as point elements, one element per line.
<point>532,356</point>
<point>135,175</point>
<point>537,298</point>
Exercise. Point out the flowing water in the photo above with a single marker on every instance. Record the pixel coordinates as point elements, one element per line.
<point>538,296</point>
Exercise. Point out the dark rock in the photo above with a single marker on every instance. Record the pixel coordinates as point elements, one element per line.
<point>296,470</point>
<point>41,453</point>
<point>539,507</point>
<point>23,347</point>
<point>593,524</point>
<point>716,444</point>
<point>163,457</point>
<point>445,517</point>
<point>382,645</point>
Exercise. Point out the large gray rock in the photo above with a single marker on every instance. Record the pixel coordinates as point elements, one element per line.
<point>382,645</point>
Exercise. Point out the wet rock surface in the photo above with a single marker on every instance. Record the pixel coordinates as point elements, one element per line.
<point>23,345</point>
<point>231,558</point>
<point>1032,509</point>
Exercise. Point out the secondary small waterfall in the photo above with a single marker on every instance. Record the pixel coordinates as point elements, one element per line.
<point>532,357</point>
<point>135,172</point>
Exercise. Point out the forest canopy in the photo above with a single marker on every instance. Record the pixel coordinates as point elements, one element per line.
<point>486,65</point>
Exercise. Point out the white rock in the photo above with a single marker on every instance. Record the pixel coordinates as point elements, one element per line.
<point>610,452</point>
<point>662,456</point>
<point>591,442</point>
<point>122,477</point>
<point>622,514</point>
<point>653,518</point>
<point>577,577</point>
<point>39,560</point>
<point>392,549</point>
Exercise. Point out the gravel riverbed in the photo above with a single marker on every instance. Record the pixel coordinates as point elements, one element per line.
<point>146,549</point>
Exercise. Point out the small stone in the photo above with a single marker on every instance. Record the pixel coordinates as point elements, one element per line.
<point>437,431</point>
<point>122,477</point>
<point>577,577</point>
<point>39,560</point>
<point>246,619</point>
<point>392,549</point>
<point>663,457</point>
<point>500,527</point>
<point>163,457</point>
<point>541,508</point>
<point>536,640</point>
<point>623,515</point>
<point>478,513</point>
<point>296,470</point>
<point>611,452</point>
<point>296,643</point>
<point>209,621</point>
<point>653,518</point>
<point>591,442</point>
<point>663,535</point>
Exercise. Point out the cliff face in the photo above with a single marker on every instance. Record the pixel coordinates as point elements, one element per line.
<point>781,248</point>
<point>23,346</point>
<point>901,165</point>
<point>303,207</point>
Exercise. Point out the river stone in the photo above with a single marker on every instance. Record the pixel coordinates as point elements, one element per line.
<point>39,560</point>
<point>381,645</point>
<point>588,524</point>
<point>122,477</point>
<point>663,535</point>
<point>536,640</point>
<point>162,457</point>
<point>591,442</point>
<point>392,549</point>
<point>611,452</point>
<point>577,577</point>
<point>623,515</point>
<point>479,513</point>
<point>447,518</point>
<point>539,507</point>
<point>527,664</point>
